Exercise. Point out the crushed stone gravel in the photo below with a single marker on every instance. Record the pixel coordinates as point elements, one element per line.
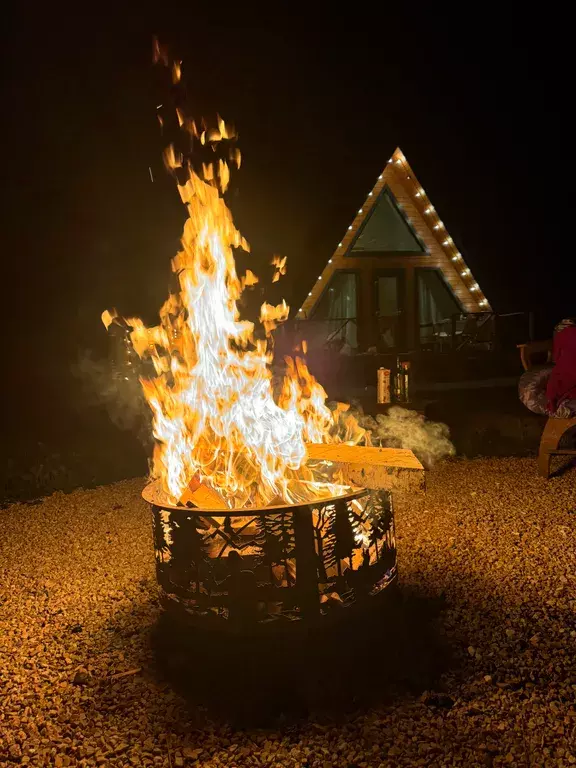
<point>78,600</point>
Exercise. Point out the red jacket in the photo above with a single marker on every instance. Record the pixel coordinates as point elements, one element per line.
<point>562,382</point>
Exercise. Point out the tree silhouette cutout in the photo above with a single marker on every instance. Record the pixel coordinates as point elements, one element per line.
<point>380,511</point>
<point>189,551</point>
<point>161,547</point>
<point>323,545</point>
<point>276,542</point>
<point>160,543</point>
<point>344,542</point>
<point>381,527</point>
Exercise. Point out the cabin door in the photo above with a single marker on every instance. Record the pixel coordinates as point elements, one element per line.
<point>390,315</point>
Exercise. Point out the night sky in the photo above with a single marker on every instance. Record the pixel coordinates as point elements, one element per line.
<point>319,105</point>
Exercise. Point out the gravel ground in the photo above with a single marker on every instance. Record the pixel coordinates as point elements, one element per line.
<point>78,599</point>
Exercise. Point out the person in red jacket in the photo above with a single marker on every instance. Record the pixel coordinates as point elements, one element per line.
<point>551,391</point>
<point>561,387</point>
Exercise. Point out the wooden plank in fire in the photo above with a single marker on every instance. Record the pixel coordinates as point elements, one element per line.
<point>394,469</point>
<point>201,495</point>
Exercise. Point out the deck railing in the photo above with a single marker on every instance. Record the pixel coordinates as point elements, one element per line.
<point>478,330</point>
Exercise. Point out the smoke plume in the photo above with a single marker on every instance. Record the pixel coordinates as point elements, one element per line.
<point>402,428</point>
<point>119,391</point>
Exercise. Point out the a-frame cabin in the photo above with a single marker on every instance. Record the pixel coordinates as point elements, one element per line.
<point>396,277</point>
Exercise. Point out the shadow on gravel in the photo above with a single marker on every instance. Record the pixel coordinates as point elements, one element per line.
<point>264,681</point>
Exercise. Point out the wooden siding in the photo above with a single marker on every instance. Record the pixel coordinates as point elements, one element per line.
<point>404,185</point>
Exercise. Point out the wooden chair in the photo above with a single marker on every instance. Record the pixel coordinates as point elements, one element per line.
<point>555,429</point>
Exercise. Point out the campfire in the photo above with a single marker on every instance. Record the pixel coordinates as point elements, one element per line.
<point>224,437</point>
<point>242,483</point>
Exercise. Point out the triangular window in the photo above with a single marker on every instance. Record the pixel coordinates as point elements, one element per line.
<point>386,230</point>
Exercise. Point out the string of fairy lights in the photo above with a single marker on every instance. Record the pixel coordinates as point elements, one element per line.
<point>447,243</point>
<point>423,204</point>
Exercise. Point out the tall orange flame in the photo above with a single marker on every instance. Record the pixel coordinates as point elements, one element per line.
<point>215,414</point>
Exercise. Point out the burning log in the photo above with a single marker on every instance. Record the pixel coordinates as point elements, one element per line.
<point>201,495</point>
<point>377,468</point>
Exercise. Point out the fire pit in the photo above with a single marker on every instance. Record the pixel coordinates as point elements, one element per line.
<point>259,567</point>
<point>266,510</point>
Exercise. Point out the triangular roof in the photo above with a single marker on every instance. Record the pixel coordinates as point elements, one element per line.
<point>427,227</point>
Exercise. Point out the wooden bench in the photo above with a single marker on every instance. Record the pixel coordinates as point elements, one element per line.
<point>555,429</point>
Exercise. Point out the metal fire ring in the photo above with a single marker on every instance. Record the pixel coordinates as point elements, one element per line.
<point>268,566</point>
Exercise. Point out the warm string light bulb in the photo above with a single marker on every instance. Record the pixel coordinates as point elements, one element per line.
<point>420,193</point>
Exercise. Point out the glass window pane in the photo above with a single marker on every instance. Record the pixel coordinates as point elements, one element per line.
<point>387,230</point>
<point>334,318</point>
<point>338,301</point>
<point>436,305</point>
<point>388,310</point>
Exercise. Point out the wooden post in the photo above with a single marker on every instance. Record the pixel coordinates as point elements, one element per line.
<point>495,320</point>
